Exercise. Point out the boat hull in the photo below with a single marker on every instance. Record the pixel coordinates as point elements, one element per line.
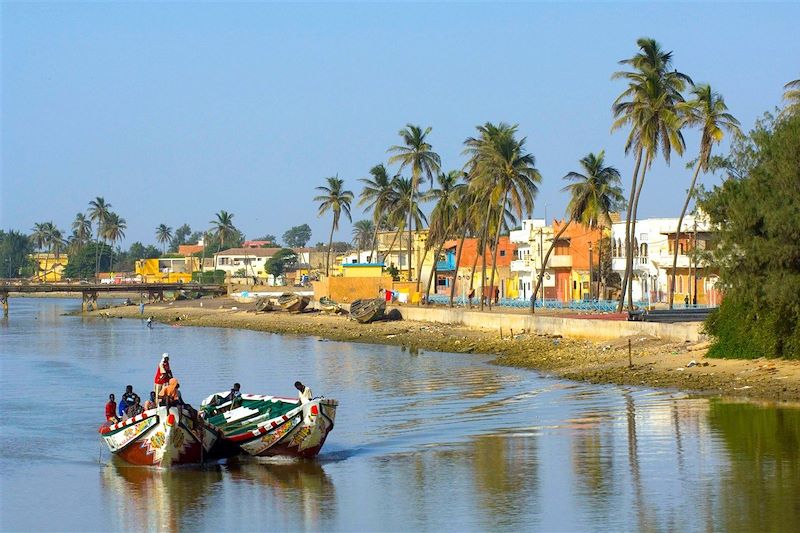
<point>366,311</point>
<point>159,437</point>
<point>293,303</point>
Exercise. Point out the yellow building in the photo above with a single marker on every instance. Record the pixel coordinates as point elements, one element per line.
<point>362,270</point>
<point>167,269</point>
<point>48,267</point>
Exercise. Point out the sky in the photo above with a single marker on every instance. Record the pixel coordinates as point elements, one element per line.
<point>175,111</point>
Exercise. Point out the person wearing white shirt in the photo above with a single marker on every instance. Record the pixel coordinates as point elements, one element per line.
<point>305,392</point>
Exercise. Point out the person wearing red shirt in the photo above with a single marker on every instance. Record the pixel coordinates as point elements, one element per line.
<point>111,410</point>
<point>163,374</point>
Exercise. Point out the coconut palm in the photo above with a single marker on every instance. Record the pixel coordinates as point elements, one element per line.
<point>406,207</point>
<point>378,194</point>
<point>223,228</point>
<point>707,111</point>
<point>792,95</point>
<point>363,231</point>
<point>98,212</point>
<point>594,194</point>
<point>163,235</point>
<point>336,200</point>
<point>443,216</point>
<point>506,174</point>
<point>114,230</point>
<point>467,218</point>
<point>417,154</point>
<point>648,106</point>
<point>81,230</point>
<point>39,235</point>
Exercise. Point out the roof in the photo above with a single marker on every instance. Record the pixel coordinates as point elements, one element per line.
<point>189,249</point>
<point>255,252</point>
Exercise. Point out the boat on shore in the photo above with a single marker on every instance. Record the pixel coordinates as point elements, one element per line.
<point>294,303</point>
<point>264,305</point>
<point>365,311</point>
<point>326,305</point>
<point>266,426</point>
<point>163,436</point>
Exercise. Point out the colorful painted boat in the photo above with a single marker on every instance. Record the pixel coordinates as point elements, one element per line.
<point>294,303</point>
<point>268,426</point>
<point>160,437</point>
<point>366,311</point>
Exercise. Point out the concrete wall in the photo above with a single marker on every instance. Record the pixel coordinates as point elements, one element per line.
<point>346,290</point>
<point>569,327</point>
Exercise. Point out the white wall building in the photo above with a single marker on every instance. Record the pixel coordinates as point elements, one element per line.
<point>251,260</point>
<point>533,241</point>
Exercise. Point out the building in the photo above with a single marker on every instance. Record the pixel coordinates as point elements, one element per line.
<point>653,247</point>
<point>258,244</point>
<point>48,267</point>
<point>167,269</point>
<point>447,276</point>
<point>244,262</point>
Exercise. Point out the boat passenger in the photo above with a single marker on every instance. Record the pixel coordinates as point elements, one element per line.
<point>163,374</point>
<point>111,410</point>
<point>130,397</point>
<point>134,409</point>
<point>151,403</point>
<point>305,392</point>
<point>169,393</point>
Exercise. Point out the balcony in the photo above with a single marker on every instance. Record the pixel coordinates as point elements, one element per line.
<point>521,265</point>
<point>445,266</point>
<point>639,263</point>
<point>560,261</point>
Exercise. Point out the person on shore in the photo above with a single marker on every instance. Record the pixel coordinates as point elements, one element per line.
<point>163,375</point>
<point>686,301</point>
<point>141,308</point>
<point>150,403</point>
<point>111,410</point>
<point>471,296</point>
<point>496,295</point>
<point>305,393</point>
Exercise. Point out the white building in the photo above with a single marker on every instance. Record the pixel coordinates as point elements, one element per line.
<point>532,240</point>
<point>249,261</point>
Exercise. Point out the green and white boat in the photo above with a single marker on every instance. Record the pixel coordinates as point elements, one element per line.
<point>270,425</point>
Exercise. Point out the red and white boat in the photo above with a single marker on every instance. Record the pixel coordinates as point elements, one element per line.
<point>163,436</point>
<point>269,425</point>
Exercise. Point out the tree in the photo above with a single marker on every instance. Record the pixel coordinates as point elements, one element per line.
<point>443,216</point>
<point>181,236</point>
<point>792,96</point>
<point>83,265</point>
<point>15,250</point>
<point>377,195</point>
<point>114,230</point>
<point>362,235</point>
<point>648,106</point>
<point>271,240</point>
<point>163,236</point>
<point>707,110</point>
<point>283,260</point>
<point>81,230</point>
<point>98,212</point>
<point>416,153</point>
<point>594,194</point>
<point>140,251</point>
<point>297,236</point>
<point>336,200</point>
<point>222,228</point>
<point>406,207</point>
<point>756,210</point>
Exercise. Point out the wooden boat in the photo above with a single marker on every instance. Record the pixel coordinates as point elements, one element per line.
<point>366,311</point>
<point>163,436</point>
<point>327,305</point>
<point>268,426</point>
<point>294,303</point>
<point>264,305</point>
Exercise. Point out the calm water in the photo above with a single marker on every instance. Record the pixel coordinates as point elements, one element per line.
<point>422,441</point>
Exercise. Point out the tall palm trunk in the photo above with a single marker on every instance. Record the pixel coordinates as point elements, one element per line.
<point>497,245</point>
<point>689,194</point>
<point>433,270</point>
<point>458,261</point>
<point>374,248</point>
<point>330,246</point>
<point>624,282</point>
<point>540,277</point>
<point>483,250</point>
<point>396,235</point>
<point>419,266</point>
<point>633,230</point>
<point>410,211</point>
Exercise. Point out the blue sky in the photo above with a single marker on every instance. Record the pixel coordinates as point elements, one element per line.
<point>173,112</point>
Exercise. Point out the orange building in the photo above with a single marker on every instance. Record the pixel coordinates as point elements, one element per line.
<point>446,273</point>
<point>572,277</point>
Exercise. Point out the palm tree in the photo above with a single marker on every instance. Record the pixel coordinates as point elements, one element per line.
<point>222,227</point>
<point>593,195</point>
<point>39,235</point>
<point>406,207</point>
<point>648,106</point>
<point>363,231</point>
<point>792,95</point>
<point>707,110</point>
<point>98,212</point>
<point>378,194</point>
<point>114,230</point>
<point>336,200</point>
<point>81,229</point>
<point>467,218</point>
<point>163,235</point>
<point>443,215</point>
<point>416,153</point>
<point>506,174</point>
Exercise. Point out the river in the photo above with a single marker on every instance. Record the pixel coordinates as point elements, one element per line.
<point>423,441</point>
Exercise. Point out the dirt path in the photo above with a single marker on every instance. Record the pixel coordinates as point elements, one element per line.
<point>655,363</point>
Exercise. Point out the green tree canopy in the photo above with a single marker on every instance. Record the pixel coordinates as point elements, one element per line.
<point>297,236</point>
<point>283,260</point>
<point>15,248</point>
<point>82,264</point>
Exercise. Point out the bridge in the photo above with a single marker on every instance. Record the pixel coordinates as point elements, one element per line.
<point>89,291</point>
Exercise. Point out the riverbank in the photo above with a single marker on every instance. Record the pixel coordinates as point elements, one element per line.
<point>655,362</point>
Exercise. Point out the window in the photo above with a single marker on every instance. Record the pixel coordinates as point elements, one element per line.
<point>502,253</point>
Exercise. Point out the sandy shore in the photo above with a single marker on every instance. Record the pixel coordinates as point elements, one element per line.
<point>655,363</point>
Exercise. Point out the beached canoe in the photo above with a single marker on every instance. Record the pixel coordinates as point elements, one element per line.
<point>366,311</point>
<point>269,426</point>
<point>160,437</point>
<point>294,303</point>
<point>264,305</point>
<point>327,305</point>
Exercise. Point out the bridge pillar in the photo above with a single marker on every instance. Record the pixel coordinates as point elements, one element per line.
<point>4,302</point>
<point>89,301</point>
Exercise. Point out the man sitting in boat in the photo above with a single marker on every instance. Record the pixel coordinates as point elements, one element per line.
<point>134,409</point>
<point>128,398</point>
<point>163,375</point>
<point>169,393</point>
<point>234,396</point>
<point>151,403</point>
<point>305,392</point>
<point>111,410</point>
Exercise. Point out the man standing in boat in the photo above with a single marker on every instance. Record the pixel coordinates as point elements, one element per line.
<point>163,374</point>
<point>305,392</point>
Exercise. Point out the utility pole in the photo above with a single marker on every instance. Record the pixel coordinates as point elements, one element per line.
<point>591,272</point>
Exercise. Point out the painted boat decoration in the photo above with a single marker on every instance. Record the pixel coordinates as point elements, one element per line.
<point>160,437</point>
<point>366,311</point>
<point>294,303</point>
<point>326,305</point>
<point>267,425</point>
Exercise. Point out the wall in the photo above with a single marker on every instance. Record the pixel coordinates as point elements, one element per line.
<point>346,290</point>
<point>570,327</point>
